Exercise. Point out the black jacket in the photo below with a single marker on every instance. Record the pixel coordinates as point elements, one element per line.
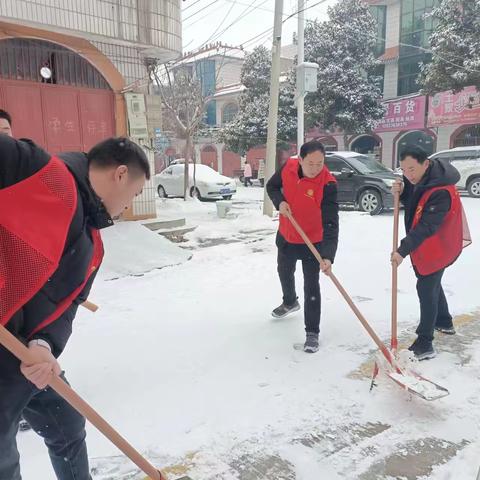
<point>18,161</point>
<point>438,174</point>
<point>328,246</point>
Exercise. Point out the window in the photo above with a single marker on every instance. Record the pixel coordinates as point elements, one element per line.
<point>211,113</point>
<point>335,164</point>
<point>229,113</point>
<point>468,137</point>
<point>379,13</point>
<point>205,70</point>
<point>379,76</point>
<point>408,70</point>
<point>415,27</point>
<point>415,31</point>
<point>465,155</point>
<point>22,59</point>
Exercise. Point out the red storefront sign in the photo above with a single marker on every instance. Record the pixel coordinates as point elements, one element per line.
<point>403,114</point>
<point>445,108</point>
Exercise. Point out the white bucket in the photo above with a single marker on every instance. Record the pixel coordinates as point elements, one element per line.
<point>223,207</point>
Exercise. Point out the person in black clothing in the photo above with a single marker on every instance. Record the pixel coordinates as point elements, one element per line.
<point>427,192</point>
<point>104,182</point>
<point>305,188</point>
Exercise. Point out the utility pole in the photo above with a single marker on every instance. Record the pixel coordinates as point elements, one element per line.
<point>300,60</point>
<point>273,108</point>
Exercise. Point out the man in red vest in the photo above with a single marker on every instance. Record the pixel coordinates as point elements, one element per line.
<point>435,238</point>
<point>51,212</point>
<point>305,188</point>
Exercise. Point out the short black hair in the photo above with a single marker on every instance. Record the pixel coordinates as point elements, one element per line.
<point>310,147</point>
<point>418,153</point>
<point>4,114</point>
<point>119,151</point>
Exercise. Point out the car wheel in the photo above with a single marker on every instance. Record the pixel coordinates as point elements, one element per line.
<point>195,193</point>
<point>227,197</point>
<point>370,201</point>
<point>474,187</point>
<point>161,192</point>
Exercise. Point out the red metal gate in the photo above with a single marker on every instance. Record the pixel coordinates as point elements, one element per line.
<point>58,117</point>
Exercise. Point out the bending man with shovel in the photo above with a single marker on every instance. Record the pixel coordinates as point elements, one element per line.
<point>305,189</point>
<point>51,211</point>
<point>437,232</point>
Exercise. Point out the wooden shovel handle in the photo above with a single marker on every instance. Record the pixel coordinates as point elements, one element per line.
<point>396,215</point>
<point>17,348</point>
<point>344,293</point>
<point>89,306</point>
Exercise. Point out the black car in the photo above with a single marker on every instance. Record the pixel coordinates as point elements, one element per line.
<point>362,181</point>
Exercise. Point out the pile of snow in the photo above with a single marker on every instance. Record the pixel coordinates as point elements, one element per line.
<point>133,249</point>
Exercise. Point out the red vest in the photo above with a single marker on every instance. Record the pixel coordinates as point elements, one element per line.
<point>35,219</point>
<point>442,248</point>
<point>304,195</point>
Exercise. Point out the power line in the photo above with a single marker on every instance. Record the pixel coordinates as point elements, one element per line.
<point>221,23</point>
<point>200,10</point>
<point>270,30</point>
<point>250,8</point>
<point>191,5</point>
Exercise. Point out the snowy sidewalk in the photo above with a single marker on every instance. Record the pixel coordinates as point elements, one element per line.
<point>187,363</point>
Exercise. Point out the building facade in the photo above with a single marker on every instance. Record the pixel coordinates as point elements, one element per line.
<point>434,123</point>
<point>219,68</point>
<point>67,67</point>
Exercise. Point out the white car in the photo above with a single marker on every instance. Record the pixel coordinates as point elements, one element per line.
<point>467,161</point>
<point>208,183</point>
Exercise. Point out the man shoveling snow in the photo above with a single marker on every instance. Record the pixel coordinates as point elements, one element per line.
<point>437,232</point>
<point>306,189</point>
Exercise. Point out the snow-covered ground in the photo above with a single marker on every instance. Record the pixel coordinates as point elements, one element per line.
<point>188,364</point>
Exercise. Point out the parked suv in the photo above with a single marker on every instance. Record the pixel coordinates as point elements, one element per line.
<point>362,181</point>
<point>467,161</point>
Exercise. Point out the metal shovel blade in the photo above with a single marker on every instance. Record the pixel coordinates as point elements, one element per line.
<point>418,385</point>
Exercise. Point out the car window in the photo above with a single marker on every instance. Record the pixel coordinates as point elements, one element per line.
<point>366,165</point>
<point>167,171</point>
<point>178,169</point>
<point>465,155</point>
<point>335,164</point>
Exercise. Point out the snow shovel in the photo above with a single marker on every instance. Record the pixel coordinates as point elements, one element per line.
<point>408,380</point>
<point>18,349</point>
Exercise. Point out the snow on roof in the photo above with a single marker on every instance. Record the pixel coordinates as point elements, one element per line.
<point>212,50</point>
<point>230,90</point>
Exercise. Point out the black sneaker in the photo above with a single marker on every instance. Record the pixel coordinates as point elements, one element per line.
<point>423,349</point>
<point>311,343</point>
<point>284,310</point>
<point>446,330</point>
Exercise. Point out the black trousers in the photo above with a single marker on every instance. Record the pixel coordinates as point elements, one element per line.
<point>60,425</point>
<point>288,255</point>
<point>433,304</point>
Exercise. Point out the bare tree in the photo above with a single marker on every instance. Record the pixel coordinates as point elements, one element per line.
<point>185,99</point>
